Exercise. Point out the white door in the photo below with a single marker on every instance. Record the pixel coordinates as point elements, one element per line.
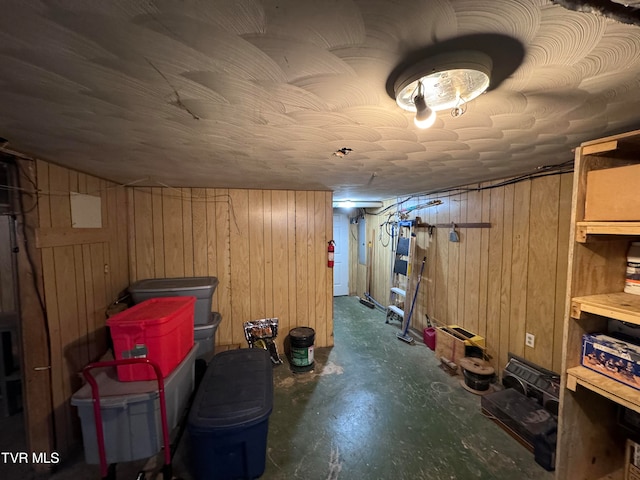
<point>341,255</point>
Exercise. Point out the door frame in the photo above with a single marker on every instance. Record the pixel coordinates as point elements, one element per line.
<point>342,246</point>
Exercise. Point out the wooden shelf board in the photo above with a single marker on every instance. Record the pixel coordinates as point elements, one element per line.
<point>619,306</point>
<point>584,229</point>
<point>604,386</point>
<point>621,147</point>
<point>625,135</point>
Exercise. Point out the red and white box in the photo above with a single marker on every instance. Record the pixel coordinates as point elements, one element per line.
<point>160,329</point>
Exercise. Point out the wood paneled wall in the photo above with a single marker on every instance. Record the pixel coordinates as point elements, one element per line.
<point>80,273</point>
<point>267,249</point>
<point>499,282</point>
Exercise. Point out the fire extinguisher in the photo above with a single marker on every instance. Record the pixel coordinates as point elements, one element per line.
<point>330,249</point>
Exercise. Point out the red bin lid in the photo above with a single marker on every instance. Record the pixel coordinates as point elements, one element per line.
<point>153,310</point>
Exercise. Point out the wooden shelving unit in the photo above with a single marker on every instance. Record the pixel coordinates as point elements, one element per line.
<point>591,444</point>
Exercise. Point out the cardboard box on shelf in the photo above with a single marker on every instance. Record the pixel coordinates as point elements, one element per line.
<point>611,194</point>
<point>612,357</point>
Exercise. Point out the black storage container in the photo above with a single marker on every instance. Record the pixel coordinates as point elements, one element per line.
<point>229,418</point>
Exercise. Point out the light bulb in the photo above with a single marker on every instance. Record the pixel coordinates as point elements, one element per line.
<point>425,117</point>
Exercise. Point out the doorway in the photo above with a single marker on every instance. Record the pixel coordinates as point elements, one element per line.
<point>341,255</point>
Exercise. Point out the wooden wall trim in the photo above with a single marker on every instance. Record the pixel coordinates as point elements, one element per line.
<point>63,236</point>
<point>37,403</point>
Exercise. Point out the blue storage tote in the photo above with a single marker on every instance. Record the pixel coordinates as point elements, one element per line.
<point>229,418</point>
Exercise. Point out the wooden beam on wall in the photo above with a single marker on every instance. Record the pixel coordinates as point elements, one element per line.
<point>64,236</point>
<point>457,225</point>
<point>37,402</point>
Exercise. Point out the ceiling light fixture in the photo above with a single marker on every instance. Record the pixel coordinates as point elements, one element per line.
<point>441,82</point>
<point>347,204</point>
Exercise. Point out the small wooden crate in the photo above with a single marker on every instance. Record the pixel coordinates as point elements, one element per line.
<point>452,345</point>
<point>449,347</point>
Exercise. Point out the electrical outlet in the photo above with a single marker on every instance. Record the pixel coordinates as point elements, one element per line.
<point>530,340</point>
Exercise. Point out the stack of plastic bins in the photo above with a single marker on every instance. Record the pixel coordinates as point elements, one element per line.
<point>206,322</point>
<point>131,412</point>
<point>229,419</point>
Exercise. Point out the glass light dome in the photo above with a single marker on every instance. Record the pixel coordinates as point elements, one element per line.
<point>448,80</point>
<point>445,90</point>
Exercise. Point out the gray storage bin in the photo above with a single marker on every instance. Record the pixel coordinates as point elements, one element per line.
<point>200,287</point>
<point>131,412</point>
<point>205,336</point>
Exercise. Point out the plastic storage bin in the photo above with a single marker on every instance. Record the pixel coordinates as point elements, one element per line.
<point>200,287</point>
<point>160,329</point>
<point>131,412</point>
<point>205,336</point>
<point>229,418</point>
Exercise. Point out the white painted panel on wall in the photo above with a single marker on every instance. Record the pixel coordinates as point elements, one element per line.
<point>86,211</point>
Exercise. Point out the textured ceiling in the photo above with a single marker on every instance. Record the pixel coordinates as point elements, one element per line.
<point>259,94</point>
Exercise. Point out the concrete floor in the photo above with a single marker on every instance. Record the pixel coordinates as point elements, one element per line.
<point>378,408</point>
<point>374,407</point>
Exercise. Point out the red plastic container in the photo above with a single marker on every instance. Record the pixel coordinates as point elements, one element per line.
<point>429,337</point>
<point>160,329</point>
